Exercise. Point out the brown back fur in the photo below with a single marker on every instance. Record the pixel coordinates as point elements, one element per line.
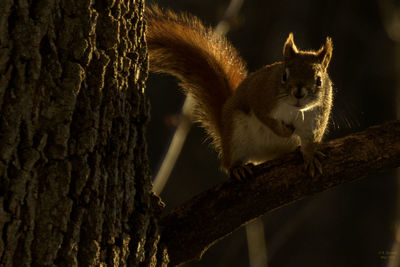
<point>208,67</point>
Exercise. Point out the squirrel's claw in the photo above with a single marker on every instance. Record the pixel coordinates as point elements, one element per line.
<point>241,172</point>
<point>312,162</point>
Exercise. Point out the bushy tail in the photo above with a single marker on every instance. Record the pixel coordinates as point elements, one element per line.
<point>208,67</point>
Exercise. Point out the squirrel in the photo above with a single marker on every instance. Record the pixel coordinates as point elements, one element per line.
<point>251,118</point>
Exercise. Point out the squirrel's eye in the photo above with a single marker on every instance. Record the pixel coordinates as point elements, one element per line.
<point>285,75</point>
<point>318,81</point>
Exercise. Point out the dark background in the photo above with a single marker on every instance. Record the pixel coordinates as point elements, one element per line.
<point>351,225</point>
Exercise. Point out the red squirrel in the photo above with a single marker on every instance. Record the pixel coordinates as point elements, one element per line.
<point>253,117</point>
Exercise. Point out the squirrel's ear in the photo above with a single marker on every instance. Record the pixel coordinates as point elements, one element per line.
<point>325,53</point>
<point>289,49</point>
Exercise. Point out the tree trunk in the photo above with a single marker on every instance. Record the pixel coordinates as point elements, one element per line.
<point>74,177</point>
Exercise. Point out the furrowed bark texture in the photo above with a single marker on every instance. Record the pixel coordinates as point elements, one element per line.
<point>74,180</point>
<point>191,228</point>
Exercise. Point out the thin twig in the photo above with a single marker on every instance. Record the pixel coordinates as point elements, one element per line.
<point>256,243</point>
<point>175,147</point>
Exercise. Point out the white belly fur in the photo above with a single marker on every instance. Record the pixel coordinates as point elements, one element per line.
<point>253,141</point>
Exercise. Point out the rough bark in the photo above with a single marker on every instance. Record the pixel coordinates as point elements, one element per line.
<point>191,228</point>
<point>74,177</point>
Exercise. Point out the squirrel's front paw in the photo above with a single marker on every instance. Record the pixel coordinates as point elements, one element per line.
<point>241,172</point>
<point>312,163</point>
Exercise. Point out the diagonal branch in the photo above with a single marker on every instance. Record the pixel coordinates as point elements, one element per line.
<point>191,228</point>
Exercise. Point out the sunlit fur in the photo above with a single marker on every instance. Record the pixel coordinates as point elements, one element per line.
<point>251,118</point>
<point>207,65</point>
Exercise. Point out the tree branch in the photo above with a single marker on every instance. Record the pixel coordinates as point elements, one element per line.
<point>193,227</point>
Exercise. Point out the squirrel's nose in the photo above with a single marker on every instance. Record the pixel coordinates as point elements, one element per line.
<point>299,92</point>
